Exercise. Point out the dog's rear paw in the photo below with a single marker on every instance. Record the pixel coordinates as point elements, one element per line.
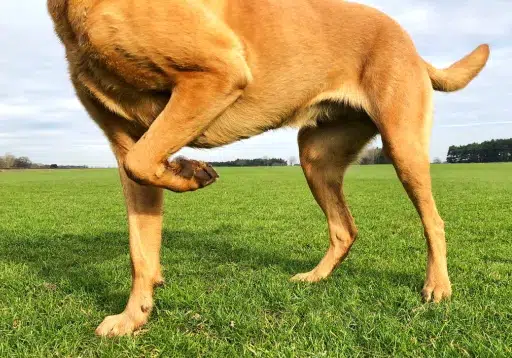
<point>198,174</point>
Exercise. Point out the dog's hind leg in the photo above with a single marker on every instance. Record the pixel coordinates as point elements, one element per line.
<point>326,151</point>
<point>404,121</point>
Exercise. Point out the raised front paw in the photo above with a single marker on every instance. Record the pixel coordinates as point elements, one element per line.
<point>196,174</point>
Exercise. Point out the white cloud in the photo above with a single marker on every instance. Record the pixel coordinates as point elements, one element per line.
<point>24,107</point>
<point>416,19</point>
<point>70,104</point>
<point>8,111</point>
<point>474,124</point>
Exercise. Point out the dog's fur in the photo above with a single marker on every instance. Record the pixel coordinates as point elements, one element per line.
<point>160,75</point>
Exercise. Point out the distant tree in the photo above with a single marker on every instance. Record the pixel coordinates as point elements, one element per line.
<point>374,156</point>
<point>22,163</point>
<point>8,160</point>
<point>292,161</point>
<point>437,161</point>
<point>496,150</point>
<point>259,162</point>
<point>369,156</point>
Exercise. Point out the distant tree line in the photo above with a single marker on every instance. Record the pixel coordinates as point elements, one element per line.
<point>373,155</point>
<point>496,150</point>
<point>9,161</point>
<point>258,162</point>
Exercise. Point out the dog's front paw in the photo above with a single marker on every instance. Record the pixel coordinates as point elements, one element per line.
<point>311,276</point>
<point>197,174</point>
<point>436,291</point>
<point>158,278</point>
<point>122,324</point>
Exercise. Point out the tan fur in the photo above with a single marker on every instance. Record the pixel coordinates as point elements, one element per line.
<point>458,75</point>
<point>164,74</point>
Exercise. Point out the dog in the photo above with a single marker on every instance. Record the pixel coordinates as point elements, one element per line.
<point>160,75</point>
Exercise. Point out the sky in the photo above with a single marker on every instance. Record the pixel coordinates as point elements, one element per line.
<point>41,118</point>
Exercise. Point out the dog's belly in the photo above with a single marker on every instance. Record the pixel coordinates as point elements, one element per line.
<point>238,122</point>
<point>246,118</point>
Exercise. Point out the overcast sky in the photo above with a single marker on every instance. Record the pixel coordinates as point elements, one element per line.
<point>41,118</point>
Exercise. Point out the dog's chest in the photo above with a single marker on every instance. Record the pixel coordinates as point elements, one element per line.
<point>127,102</point>
<point>127,84</point>
<point>133,101</point>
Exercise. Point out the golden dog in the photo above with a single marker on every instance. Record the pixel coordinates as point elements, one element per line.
<point>161,75</point>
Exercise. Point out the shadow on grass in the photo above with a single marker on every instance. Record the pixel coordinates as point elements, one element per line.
<point>87,263</point>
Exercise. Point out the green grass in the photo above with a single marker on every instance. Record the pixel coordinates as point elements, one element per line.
<point>228,253</point>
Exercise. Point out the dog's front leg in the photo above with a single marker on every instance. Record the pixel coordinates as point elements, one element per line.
<point>197,100</point>
<point>144,207</point>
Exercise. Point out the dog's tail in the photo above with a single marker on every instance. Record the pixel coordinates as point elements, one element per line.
<point>458,75</point>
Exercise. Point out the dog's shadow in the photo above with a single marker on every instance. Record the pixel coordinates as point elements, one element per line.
<point>72,262</point>
<point>221,246</point>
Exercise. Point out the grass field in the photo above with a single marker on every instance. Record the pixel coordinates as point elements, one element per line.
<point>228,253</point>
